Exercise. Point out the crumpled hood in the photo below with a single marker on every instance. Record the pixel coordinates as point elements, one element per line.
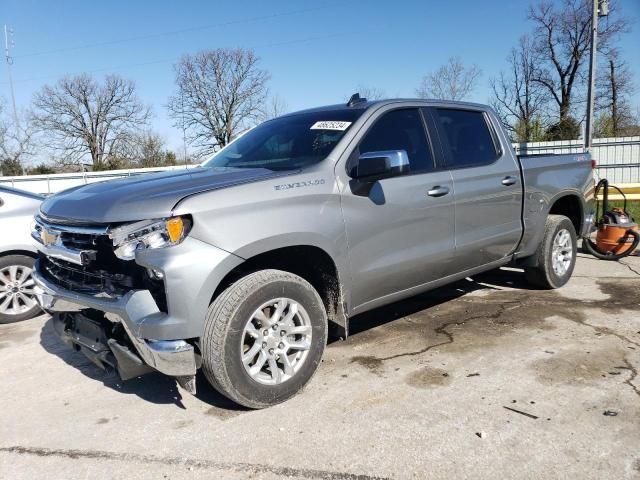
<point>143,197</point>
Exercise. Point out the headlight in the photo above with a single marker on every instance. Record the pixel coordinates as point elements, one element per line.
<point>127,239</point>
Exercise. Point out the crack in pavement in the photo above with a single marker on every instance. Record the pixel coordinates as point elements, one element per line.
<point>442,330</point>
<point>502,308</point>
<point>376,362</point>
<point>605,331</point>
<point>630,267</point>
<point>589,303</point>
<point>634,374</point>
<point>186,462</point>
<point>566,308</point>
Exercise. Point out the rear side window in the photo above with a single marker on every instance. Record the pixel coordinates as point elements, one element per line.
<point>466,137</point>
<point>400,130</point>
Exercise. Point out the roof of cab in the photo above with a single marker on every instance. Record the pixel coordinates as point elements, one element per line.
<point>366,104</point>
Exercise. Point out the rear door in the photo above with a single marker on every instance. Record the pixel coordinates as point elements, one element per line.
<point>400,230</point>
<point>486,179</point>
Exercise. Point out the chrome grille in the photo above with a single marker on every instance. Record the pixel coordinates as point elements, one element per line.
<point>81,259</point>
<point>80,241</point>
<point>85,280</point>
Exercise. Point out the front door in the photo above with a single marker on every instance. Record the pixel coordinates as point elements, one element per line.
<point>401,231</point>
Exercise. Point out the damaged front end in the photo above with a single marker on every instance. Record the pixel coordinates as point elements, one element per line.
<point>103,330</point>
<point>104,343</point>
<point>108,308</point>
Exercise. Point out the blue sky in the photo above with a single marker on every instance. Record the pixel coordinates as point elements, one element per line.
<point>317,52</point>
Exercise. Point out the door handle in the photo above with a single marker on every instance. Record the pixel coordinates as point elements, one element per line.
<point>508,181</point>
<point>438,191</point>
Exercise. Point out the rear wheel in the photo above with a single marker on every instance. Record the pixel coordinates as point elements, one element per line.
<point>17,299</point>
<point>556,254</point>
<point>264,338</point>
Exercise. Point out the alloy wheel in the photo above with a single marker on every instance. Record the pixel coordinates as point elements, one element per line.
<point>562,252</point>
<point>16,290</point>
<point>276,341</point>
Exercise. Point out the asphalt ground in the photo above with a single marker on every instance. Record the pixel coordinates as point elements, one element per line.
<point>481,379</point>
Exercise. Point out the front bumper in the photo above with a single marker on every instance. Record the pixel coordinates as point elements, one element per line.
<point>171,357</point>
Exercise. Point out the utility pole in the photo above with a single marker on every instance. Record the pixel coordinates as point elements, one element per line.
<point>184,128</point>
<point>8,45</point>
<point>600,9</point>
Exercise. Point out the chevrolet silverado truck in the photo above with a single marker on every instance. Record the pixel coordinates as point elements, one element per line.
<point>240,266</point>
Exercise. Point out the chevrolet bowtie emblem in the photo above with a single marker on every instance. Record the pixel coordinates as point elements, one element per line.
<point>48,238</point>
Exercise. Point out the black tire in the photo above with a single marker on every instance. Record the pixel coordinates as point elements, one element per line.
<point>543,275</point>
<point>22,261</point>
<point>222,341</point>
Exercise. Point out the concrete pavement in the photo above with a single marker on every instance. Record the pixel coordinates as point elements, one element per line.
<point>420,390</point>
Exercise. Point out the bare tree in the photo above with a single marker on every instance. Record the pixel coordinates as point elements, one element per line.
<point>562,36</point>
<point>371,93</point>
<point>144,150</point>
<point>518,99</point>
<point>220,93</point>
<point>152,150</point>
<point>452,81</point>
<point>615,88</point>
<point>85,118</point>
<point>17,143</point>
<point>274,107</point>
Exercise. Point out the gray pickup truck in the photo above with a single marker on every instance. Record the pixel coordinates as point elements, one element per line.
<point>241,266</point>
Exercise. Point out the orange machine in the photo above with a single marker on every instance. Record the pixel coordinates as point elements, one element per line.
<point>617,233</point>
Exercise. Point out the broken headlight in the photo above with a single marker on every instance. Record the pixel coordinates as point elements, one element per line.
<point>129,238</point>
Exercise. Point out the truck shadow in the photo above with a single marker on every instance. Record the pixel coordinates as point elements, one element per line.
<point>492,280</point>
<point>153,387</point>
<point>160,389</point>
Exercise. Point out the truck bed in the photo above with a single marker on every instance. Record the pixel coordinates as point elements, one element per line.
<point>546,178</point>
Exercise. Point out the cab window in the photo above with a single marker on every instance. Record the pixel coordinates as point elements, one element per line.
<point>466,137</point>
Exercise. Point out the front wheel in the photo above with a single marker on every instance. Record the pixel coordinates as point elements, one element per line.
<point>264,337</point>
<point>556,254</point>
<point>17,298</point>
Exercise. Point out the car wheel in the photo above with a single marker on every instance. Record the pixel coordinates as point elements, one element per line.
<point>556,254</point>
<point>17,299</point>
<point>264,337</point>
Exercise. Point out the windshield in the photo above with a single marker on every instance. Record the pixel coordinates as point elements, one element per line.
<point>287,143</point>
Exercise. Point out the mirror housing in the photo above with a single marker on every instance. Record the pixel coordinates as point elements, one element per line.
<point>374,166</point>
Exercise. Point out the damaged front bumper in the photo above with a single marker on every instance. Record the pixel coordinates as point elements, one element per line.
<point>86,322</point>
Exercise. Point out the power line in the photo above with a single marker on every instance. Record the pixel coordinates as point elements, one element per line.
<point>171,60</point>
<point>176,32</point>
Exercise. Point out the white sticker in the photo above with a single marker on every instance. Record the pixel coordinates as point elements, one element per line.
<point>330,125</point>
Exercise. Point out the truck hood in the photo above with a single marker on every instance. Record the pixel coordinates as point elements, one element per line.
<point>143,197</point>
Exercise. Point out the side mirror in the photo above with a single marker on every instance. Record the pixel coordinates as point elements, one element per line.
<point>374,166</point>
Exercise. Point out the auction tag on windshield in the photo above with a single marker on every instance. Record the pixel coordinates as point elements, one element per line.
<point>330,125</point>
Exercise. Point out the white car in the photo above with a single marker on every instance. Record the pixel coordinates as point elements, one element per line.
<point>17,254</point>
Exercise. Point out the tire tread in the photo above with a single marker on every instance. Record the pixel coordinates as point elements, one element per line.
<point>218,322</point>
<point>540,276</point>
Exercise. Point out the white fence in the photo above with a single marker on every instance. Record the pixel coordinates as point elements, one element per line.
<point>618,159</point>
<point>56,182</point>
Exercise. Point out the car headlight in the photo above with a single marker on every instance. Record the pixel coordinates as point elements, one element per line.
<point>129,238</point>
